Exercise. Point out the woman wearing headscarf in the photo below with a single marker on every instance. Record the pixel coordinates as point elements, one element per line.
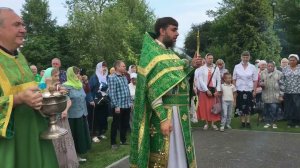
<point>64,146</point>
<point>290,85</point>
<point>78,112</point>
<point>98,114</point>
<point>221,65</point>
<point>132,69</point>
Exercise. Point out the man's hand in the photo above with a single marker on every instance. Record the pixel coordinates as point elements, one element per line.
<point>92,103</point>
<point>254,94</point>
<point>166,127</point>
<point>64,114</point>
<point>208,93</point>
<point>117,110</point>
<point>32,97</point>
<point>281,98</point>
<point>195,90</point>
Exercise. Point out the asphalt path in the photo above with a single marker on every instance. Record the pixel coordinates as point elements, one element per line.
<point>242,149</point>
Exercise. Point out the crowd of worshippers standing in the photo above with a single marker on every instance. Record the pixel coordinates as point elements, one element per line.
<point>273,92</point>
<point>91,101</point>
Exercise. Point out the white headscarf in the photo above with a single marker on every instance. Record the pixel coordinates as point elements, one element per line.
<point>99,73</point>
<point>130,69</point>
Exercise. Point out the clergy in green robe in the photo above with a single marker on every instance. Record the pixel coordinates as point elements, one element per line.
<point>20,122</point>
<point>161,132</point>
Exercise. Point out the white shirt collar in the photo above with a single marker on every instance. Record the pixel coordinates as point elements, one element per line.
<point>242,63</point>
<point>160,43</point>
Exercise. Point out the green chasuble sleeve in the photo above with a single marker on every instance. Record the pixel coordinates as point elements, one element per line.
<point>20,126</point>
<point>6,119</point>
<point>159,71</point>
<point>9,85</point>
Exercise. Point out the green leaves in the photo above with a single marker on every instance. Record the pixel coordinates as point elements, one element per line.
<point>240,25</point>
<point>287,25</point>
<point>41,43</point>
<point>114,32</point>
<point>97,30</point>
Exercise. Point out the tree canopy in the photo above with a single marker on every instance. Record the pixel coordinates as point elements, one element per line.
<point>239,25</point>
<point>107,30</point>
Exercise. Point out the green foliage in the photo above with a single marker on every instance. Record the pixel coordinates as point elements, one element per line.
<point>241,25</point>
<point>107,30</point>
<point>287,25</point>
<point>40,49</point>
<point>37,17</point>
<point>191,38</point>
<point>44,39</point>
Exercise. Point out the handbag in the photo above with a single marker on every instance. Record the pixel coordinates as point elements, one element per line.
<point>216,108</point>
<point>101,98</point>
<point>211,89</point>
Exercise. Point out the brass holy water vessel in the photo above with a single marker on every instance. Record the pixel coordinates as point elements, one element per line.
<point>52,107</point>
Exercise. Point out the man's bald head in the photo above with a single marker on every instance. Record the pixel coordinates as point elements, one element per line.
<point>33,69</point>
<point>2,10</point>
<point>56,63</point>
<point>12,29</point>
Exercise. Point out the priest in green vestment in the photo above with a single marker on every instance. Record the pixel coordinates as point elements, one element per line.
<point>20,122</point>
<point>161,132</point>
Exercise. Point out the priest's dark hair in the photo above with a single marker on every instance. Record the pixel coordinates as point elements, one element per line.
<point>164,23</point>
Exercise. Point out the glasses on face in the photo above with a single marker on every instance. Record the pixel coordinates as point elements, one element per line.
<point>55,63</point>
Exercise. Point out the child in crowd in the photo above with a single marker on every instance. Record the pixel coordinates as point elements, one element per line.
<point>64,146</point>
<point>228,101</point>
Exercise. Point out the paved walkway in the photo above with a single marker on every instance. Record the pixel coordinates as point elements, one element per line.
<point>243,149</point>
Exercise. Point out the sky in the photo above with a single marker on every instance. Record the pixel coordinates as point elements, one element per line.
<point>186,12</point>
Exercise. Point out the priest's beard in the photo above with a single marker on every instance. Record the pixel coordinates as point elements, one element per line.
<point>168,42</point>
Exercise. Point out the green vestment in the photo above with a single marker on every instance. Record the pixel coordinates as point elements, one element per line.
<point>20,126</point>
<point>161,76</point>
<point>37,78</point>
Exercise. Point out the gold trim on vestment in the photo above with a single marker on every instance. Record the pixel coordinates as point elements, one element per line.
<point>157,160</point>
<point>8,89</point>
<point>8,114</point>
<point>171,87</point>
<point>6,54</point>
<point>161,73</point>
<point>141,131</point>
<point>193,164</point>
<point>167,138</point>
<point>21,69</point>
<point>154,61</point>
<point>22,87</point>
<point>4,82</point>
<point>133,166</point>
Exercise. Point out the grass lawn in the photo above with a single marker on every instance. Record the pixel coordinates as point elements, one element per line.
<point>101,154</point>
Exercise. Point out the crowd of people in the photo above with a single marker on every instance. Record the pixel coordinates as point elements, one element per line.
<point>152,101</point>
<point>262,88</point>
<point>91,101</point>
